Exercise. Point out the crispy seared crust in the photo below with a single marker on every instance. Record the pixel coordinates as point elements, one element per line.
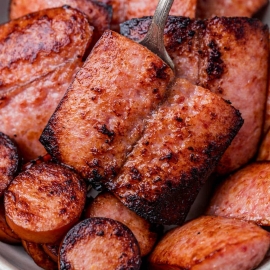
<point>104,243</point>
<point>107,205</point>
<point>41,54</point>
<point>52,251</point>
<point>6,234</point>
<point>9,161</point>
<point>223,55</point>
<point>44,202</point>
<point>180,147</point>
<point>228,8</point>
<point>102,114</point>
<point>211,243</point>
<point>125,10</point>
<point>99,14</point>
<point>245,195</point>
<point>39,256</point>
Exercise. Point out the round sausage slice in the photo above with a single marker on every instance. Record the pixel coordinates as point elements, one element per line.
<point>9,161</point>
<point>52,250</point>
<point>99,243</point>
<point>245,195</point>
<point>107,205</point>
<point>39,256</point>
<point>44,202</point>
<point>211,243</point>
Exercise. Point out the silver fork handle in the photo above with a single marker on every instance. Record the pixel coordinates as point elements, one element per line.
<point>154,38</point>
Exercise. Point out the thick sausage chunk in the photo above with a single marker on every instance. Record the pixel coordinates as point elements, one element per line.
<point>181,145</point>
<point>245,195</point>
<point>40,55</point>
<point>108,206</point>
<point>228,8</point>
<point>9,161</point>
<point>99,14</point>
<point>99,243</point>
<point>224,56</point>
<point>44,202</point>
<point>39,256</point>
<point>211,243</point>
<point>6,234</point>
<point>102,114</point>
<point>125,10</point>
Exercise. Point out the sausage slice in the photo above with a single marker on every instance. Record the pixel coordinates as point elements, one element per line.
<point>245,195</point>
<point>103,243</point>
<point>181,145</point>
<point>40,55</point>
<point>39,256</point>
<point>102,114</point>
<point>108,206</point>
<point>233,8</point>
<point>6,234</point>
<point>52,250</point>
<point>99,14</point>
<point>210,53</point>
<point>211,243</point>
<point>44,202</point>
<point>9,161</point>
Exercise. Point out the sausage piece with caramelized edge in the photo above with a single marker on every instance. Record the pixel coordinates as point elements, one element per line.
<point>181,145</point>
<point>228,8</point>
<point>6,234</point>
<point>245,195</point>
<point>103,243</point>
<point>102,114</point>
<point>52,250</point>
<point>99,14</point>
<point>108,206</point>
<point>39,256</point>
<point>9,161</point>
<point>125,10</point>
<point>211,243</point>
<point>224,56</point>
<point>44,202</point>
<point>40,55</point>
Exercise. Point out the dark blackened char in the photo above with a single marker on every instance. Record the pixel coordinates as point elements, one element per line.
<point>103,243</point>
<point>181,145</point>
<point>102,114</point>
<point>223,55</point>
<point>39,256</point>
<point>10,160</point>
<point>44,202</point>
<point>99,14</point>
<point>40,55</point>
<point>231,8</point>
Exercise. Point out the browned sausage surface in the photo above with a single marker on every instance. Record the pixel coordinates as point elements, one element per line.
<point>44,202</point>
<point>107,205</point>
<point>211,243</point>
<point>6,234</point>
<point>124,10</point>
<point>99,243</point>
<point>40,54</point>
<point>228,8</point>
<point>245,195</point>
<point>9,161</point>
<point>52,251</point>
<point>39,256</point>
<point>223,55</point>
<point>180,147</point>
<point>102,114</point>
<point>99,14</point>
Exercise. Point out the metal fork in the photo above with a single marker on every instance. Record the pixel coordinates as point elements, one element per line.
<point>154,39</point>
